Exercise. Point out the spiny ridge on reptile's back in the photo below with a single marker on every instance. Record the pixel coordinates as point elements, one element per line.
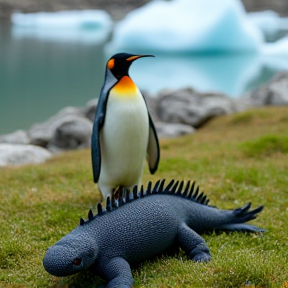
<point>179,189</point>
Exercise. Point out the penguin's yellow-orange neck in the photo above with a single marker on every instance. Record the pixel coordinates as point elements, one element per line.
<point>125,87</point>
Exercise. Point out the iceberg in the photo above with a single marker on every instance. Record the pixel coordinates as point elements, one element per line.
<point>267,21</point>
<point>92,26</point>
<point>275,55</point>
<point>63,19</point>
<point>209,45</point>
<point>277,48</point>
<point>270,23</point>
<point>95,36</point>
<point>189,26</point>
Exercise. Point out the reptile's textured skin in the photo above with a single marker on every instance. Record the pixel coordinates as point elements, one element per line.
<point>143,228</point>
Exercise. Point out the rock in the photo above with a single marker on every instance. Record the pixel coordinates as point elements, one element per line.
<point>17,154</point>
<point>170,130</point>
<point>42,133</point>
<point>90,109</point>
<point>151,102</point>
<point>118,9</point>
<point>6,10</point>
<point>186,106</point>
<point>280,6</point>
<point>74,132</point>
<point>68,129</point>
<point>17,137</point>
<point>273,93</point>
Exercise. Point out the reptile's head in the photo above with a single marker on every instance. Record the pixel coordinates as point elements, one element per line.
<point>69,257</point>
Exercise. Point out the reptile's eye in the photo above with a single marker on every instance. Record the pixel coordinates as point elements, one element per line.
<point>77,261</point>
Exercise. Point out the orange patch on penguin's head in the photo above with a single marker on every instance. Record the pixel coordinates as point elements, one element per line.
<point>111,63</point>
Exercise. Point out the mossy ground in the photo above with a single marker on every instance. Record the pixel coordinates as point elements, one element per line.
<point>235,159</point>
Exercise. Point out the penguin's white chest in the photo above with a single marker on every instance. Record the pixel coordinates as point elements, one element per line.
<point>124,136</point>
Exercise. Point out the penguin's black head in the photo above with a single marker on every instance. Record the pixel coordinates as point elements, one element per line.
<point>119,63</point>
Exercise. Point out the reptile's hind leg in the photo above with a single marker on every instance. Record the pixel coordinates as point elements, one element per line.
<point>117,272</point>
<point>193,244</point>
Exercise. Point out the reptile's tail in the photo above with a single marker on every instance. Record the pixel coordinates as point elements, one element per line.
<point>241,215</point>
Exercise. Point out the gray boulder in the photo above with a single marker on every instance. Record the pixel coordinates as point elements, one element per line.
<point>192,108</point>
<point>151,102</point>
<point>74,132</point>
<point>68,129</point>
<point>90,109</point>
<point>6,10</point>
<point>17,154</point>
<point>171,130</point>
<point>275,92</point>
<point>17,137</point>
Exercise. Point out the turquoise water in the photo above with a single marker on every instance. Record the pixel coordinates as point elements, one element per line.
<point>39,76</point>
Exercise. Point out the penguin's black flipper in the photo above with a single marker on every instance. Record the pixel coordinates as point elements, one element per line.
<point>153,150</point>
<point>99,119</point>
<point>95,147</point>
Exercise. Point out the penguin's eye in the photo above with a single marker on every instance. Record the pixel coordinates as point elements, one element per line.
<point>77,261</point>
<point>111,64</point>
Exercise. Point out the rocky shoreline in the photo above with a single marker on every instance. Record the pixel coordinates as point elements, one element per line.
<point>117,9</point>
<point>175,113</point>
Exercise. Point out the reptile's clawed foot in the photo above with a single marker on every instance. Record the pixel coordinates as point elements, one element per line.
<point>200,254</point>
<point>201,257</point>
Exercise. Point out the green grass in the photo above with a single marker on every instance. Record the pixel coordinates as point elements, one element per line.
<point>266,146</point>
<point>235,159</point>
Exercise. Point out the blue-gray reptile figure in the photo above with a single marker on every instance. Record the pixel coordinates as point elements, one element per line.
<point>139,229</point>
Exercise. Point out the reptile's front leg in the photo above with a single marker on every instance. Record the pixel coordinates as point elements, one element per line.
<point>193,244</point>
<point>117,272</point>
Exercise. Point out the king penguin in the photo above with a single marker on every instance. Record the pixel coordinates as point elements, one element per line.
<point>123,131</point>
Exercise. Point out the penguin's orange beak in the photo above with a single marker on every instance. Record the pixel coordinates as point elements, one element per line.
<point>132,58</point>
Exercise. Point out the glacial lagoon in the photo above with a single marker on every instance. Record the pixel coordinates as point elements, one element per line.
<point>41,73</point>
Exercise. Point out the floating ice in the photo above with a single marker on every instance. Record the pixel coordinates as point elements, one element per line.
<point>216,29</point>
<point>189,26</point>
<point>278,48</point>
<point>90,36</point>
<point>63,19</point>
<point>86,25</point>
<point>205,26</point>
<point>269,22</point>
